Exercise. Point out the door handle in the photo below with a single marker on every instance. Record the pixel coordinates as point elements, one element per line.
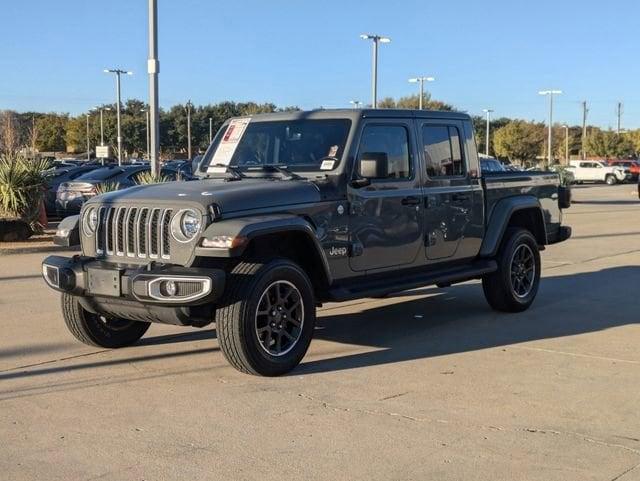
<point>459,197</point>
<point>410,201</point>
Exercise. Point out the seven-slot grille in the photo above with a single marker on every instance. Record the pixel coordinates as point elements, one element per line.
<point>133,232</point>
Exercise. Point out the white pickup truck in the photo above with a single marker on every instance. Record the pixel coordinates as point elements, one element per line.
<point>595,171</point>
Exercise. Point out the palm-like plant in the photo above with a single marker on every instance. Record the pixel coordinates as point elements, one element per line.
<point>105,187</point>
<point>149,177</point>
<point>21,188</point>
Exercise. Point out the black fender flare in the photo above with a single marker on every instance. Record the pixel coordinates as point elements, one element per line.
<point>68,232</point>
<point>499,220</point>
<point>249,228</point>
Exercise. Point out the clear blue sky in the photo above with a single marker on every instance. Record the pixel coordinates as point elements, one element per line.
<point>490,53</point>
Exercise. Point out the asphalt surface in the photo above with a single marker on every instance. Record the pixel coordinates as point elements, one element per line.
<point>431,384</point>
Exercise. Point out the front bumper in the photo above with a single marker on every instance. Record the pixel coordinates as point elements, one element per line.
<point>167,294</point>
<point>562,234</point>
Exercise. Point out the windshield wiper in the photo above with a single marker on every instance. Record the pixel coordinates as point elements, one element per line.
<point>281,170</point>
<point>229,169</point>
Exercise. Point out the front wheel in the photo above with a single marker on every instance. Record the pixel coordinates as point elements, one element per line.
<point>513,287</point>
<point>266,320</point>
<point>610,180</point>
<point>101,331</point>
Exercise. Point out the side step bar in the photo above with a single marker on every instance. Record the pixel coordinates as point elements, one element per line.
<point>389,285</point>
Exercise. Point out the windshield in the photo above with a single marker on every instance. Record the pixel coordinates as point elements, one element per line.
<point>296,144</point>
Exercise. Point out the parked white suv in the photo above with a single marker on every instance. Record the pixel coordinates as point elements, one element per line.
<point>595,171</point>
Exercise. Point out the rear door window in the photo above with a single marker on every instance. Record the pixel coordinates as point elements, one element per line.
<point>443,151</point>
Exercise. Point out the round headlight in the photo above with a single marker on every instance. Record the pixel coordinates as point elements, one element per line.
<point>90,221</point>
<point>186,225</point>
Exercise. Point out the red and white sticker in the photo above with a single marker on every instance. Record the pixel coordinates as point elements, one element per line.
<point>229,143</point>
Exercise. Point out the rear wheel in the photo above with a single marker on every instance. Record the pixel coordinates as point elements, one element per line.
<point>96,330</point>
<point>266,320</point>
<point>610,179</point>
<point>513,287</point>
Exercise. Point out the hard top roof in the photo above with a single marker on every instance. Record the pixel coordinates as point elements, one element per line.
<point>354,114</point>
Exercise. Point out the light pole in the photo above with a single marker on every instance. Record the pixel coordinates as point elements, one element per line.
<point>421,81</point>
<point>153,69</point>
<point>146,112</point>
<point>102,109</point>
<point>566,144</point>
<point>355,103</point>
<point>88,146</point>
<point>210,130</point>
<point>376,39</point>
<point>550,93</point>
<point>188,109</point>
<point>117,73</point>
<point>488,112</point>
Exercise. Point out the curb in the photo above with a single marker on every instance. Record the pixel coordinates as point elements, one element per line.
<point>36,249</point>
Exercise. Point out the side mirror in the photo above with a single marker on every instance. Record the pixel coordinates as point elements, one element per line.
<point>373,165</point>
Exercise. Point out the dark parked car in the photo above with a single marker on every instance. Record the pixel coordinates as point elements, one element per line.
<point>59,174</point>
<point>71,195</point>
<point>489,164</point>
<point>183,167</point>
<point>300,208</point>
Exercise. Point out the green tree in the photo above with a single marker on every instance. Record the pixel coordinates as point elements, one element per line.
<point>413,102</point>
<point>51,132</point>
<point>519,140</point>
<point>608,144</point>
<point>480,129</point>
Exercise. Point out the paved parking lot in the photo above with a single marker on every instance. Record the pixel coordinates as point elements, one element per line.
<point>431,384</point>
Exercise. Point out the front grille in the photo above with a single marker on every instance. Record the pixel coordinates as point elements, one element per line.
<point>141,232</point>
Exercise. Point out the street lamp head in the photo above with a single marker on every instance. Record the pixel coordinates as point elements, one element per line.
<point>487,110</point>
<point>550,92</point>
<point>418,79</point>
<point>413,80</point>
<point>129,72</point>
<point>375,38</point>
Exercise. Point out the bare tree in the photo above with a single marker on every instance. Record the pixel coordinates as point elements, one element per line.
<point>9,135</point>
<point>32,135</point>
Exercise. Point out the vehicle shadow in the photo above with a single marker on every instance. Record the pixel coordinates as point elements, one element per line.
<point>457,319</point>
<point>607,202</point>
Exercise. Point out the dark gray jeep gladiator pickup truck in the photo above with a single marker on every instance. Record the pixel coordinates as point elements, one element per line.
<point>295,209</point>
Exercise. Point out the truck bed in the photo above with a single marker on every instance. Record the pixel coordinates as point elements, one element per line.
<point>542,185</point>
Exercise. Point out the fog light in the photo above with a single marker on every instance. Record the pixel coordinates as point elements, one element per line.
<point>171,288</point>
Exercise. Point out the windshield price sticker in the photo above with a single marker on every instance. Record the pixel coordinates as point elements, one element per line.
<point>229,143</point>
<point>327,164</point>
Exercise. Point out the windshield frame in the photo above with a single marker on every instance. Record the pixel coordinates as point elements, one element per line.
<point>253,169</point>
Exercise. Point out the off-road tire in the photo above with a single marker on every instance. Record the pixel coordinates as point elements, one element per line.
<point>236,316</point>
<point>498,286</point>
<point>95,330</point>
<point>610,179</point>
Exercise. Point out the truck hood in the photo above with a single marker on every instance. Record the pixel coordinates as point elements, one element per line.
<point>233,196</point>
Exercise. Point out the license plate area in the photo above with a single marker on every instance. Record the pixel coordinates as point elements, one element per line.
<point>104,282</point>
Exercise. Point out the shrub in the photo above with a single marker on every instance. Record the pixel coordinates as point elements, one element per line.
<point>22,185</point>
